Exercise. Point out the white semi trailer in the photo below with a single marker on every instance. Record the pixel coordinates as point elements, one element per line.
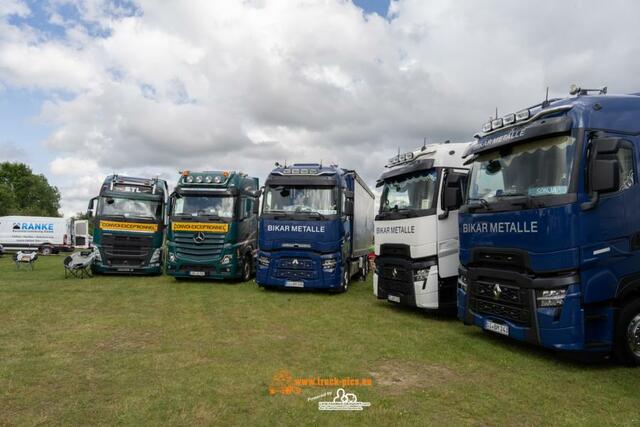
<point>47,235</point>
<point>416,229</point>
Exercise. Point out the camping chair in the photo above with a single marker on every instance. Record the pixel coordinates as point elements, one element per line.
<point>25,259</point>
<point>78,264</point>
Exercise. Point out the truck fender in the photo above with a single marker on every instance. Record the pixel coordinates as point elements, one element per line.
<point>628,287</point>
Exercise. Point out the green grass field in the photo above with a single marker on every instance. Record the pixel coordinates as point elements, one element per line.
<point>150,350</point>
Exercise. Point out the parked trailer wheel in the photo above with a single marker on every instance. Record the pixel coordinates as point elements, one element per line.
<point>627,338</point>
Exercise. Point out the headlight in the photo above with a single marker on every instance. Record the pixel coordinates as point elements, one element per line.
<point>551,297</point>
<point>463,281</point>
<point>329,264</point>
<point>172,257</point>
<point>156,256</point>
<point>421,274</point>
<point>263,261</point>
<point>226,259</point>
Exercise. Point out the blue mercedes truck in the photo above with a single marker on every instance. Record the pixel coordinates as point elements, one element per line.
<point>549,232</point>
<point>316,228</point>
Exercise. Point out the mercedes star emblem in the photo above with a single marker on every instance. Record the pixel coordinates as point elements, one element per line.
<point>394,272</point>
<point>198,237</point>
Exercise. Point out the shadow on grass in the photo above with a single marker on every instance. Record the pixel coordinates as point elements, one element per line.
<point>596,361</point>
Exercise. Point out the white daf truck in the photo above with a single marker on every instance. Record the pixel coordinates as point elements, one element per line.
<point>416,229</point>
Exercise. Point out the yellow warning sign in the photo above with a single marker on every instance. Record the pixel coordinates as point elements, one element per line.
<point>128,226</point>
<point>199,226</point>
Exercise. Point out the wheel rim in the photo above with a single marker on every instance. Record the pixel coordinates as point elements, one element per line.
<point>633,335</point>
<point>247,270</point>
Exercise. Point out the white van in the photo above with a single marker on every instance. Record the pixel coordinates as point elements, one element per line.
<point>47,235</point>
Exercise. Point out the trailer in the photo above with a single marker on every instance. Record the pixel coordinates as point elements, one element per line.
<point>316,228</point>
<point>47,235</point>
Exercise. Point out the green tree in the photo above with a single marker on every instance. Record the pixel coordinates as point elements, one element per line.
<point>24,193</point>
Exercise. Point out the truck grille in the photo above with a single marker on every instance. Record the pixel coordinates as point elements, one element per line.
<point>207,249</point>
<point>296,268</point>
<point>498,297</point>
<point>132,251</point>
<point>396,272</point>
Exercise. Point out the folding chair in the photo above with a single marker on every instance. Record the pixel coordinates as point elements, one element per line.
<point>25,259</point>
<point>78,264</point>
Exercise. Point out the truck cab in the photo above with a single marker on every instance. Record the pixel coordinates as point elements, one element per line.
<point>416,229</point>
<point>549,235</point>
<point>315,229</point>
<point>213,225</point>
<point>129,220</point>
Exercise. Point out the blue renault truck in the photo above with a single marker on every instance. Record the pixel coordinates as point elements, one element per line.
<point>129,219</point>
<point>315,229</point>
<point>213,225</point>
<point>550,232</point>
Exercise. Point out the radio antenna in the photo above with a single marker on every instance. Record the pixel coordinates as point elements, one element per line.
<point>424,144</point>
<point>545,104</point>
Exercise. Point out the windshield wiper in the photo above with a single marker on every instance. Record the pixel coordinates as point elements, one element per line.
<point>482,203</point>
<point>321,216</point>
<point>499,196</point>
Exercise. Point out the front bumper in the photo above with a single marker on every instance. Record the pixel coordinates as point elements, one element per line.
<point>560,328</point>
<point>209,269</point>
<point>421,294</point>
<point>298,269</point>
<point>98,267</point>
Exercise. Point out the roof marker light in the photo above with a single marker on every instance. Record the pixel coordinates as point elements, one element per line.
<point>217,179</point>
<point>486,127</point>
<point>509,119</point>
<point>208,179</point>
<point>198,179</point>
<point>496,123</point>
<point>522,115</point>
<point>189,178</point>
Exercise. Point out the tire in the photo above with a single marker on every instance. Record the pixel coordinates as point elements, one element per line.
<point>46,250</point>
<point>627,335</point>
<point>247,269</point>
<point>344,286</point>
<point>365,270</point>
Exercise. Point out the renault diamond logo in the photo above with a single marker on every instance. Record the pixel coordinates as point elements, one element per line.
<point>394,272</point>
<point>497,291</point>
<point>198,237</point>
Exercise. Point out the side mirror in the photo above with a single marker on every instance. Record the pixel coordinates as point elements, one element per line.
<point>91,207</point>
<point>255,208</point>
<point>452,196</point>
<point>604,176</point>
<point>604,169</point>
<point>348,207</point>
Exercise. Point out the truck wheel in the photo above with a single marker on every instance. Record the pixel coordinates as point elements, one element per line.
<point>246,269</point>
<point>365,270</point>
<point>46,250</point>
<point>627,338</point>
<point>344,287</point>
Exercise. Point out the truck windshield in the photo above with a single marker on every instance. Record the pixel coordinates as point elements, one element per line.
<point>301,200</point>
<point>217,206</point>
<point>409,192</point>
<point>130,208</point>
<point>538,168</point>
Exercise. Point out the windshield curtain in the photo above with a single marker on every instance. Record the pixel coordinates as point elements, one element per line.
<point>295,199</point>
<point>220,206</point>
<point>130,208</point>
<point>538,168</point>
<point>414,191</point>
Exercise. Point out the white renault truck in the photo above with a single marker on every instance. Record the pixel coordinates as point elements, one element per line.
<point>416,229</point>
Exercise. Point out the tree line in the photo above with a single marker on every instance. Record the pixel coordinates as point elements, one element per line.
<point>23,192</point>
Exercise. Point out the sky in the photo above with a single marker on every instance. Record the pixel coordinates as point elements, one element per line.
<point>146,88</point>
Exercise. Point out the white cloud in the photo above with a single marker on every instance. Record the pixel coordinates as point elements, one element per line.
<point>239,85</point>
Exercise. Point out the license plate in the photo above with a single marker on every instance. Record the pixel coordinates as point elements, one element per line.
<point>196,273</point>
<point>393,298</point>
<point>496,327</point>
<point>294,284</point>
